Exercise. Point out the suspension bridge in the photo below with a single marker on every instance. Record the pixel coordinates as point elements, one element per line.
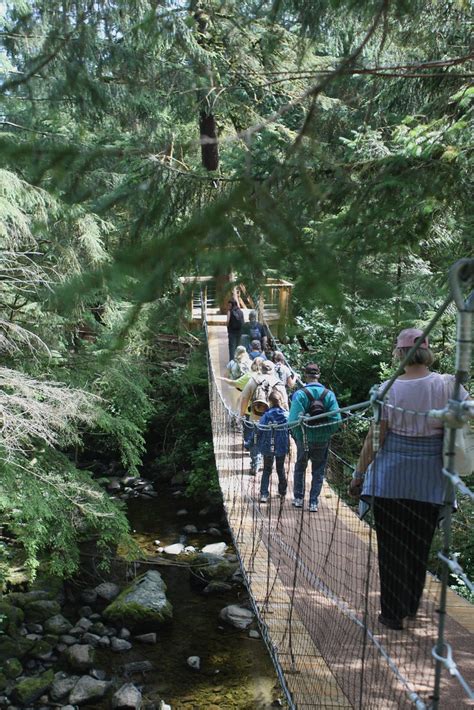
<point>313,582</point>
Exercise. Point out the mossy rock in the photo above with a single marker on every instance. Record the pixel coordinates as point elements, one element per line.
<point>40,610</point>
<point>213,567</point>
<point>12,668</point>
<point>14,647</point>
<point>10,617</point>
<point>22,599</point>
<point>3,682</point>
<point>41,649</point>
<point>143,603</point>
<point>30,689</point>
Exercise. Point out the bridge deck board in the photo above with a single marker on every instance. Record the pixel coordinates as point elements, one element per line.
<point>324,665</point>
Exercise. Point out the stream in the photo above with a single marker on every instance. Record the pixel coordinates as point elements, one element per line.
<point>236,670</point>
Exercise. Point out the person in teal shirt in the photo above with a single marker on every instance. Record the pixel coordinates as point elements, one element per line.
<point>316,446</point>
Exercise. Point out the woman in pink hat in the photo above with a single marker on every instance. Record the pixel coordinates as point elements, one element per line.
<point>404,483</point>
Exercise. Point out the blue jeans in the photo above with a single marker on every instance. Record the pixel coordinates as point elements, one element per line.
<point>267,472</point>
<point>234,337</point>
<point>318,454</point>
<point>250,445</point>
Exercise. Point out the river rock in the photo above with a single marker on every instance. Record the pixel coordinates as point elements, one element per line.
<point>137,667</point>
<point>80,657</point>
<point>92,639</point>
<point>128,697</point>
<point>104,642</point>
<point>120,645</point>
<point>35,628</point>
<point>41,609</point>
<point>22,599</point>
<point>68,639</point>
<point>114,484</point>
<point>253,634</point>
<point>213,567</point>
<point>14,647</point>
<point>175,549</point>
<point>190,530</point>
<point>42,650</point>
<point>216,587</point>
<point>124,634</point>
<point>107,591</point>
<point>98,674</point>
<point>10,617</point>
<point>214,532</point>
<point>86,611</point>
<point>217,548</point>
<point>143,602</point>
<point>62,685</point>
<point>194,662</point>
<point>84,624</point>
<point>28,690</point>
<point>89,596</point>
<point>12,668</point>
<point>88,690</point>
<point>237,616</point>
<point>57,624</point>
<point>146,638</point>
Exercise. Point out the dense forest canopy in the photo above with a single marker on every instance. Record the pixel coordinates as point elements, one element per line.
<point>329,141</point>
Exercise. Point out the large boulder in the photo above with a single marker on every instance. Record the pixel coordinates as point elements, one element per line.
<point>41,609</point>
<point>88,690</point>
<point>28,690</point>
<point>143,603</point>
<point>237,616</point>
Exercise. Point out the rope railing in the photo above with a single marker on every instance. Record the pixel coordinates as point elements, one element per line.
<point>313,580</point>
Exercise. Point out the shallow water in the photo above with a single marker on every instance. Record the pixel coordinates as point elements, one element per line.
<point>236,671</point>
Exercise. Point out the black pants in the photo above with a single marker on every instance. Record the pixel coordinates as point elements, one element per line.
<point>405,529</point>
<point>234,337</point>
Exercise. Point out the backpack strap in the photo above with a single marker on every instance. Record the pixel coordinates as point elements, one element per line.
<point>311,396</point>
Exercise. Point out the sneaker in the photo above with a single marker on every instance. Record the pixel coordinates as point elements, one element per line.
<point>298,502</point>
<point>313,507</point>
<point>263,499</point>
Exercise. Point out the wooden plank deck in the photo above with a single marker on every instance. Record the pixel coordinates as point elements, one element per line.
<point>308,576</point>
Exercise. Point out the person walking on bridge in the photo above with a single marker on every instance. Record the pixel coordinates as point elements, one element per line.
<point>312,441</point>
<point>253,330</point>
<point>404,482</point>
<point>235,321</point>
<point>252,407</point>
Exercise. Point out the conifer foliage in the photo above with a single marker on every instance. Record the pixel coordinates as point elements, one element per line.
<point>329,141</point>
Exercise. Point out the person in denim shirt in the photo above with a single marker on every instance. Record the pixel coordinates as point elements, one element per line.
<point>273,444</point>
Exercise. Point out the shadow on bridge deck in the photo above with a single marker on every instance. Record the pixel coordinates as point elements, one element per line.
<point>314,581</point>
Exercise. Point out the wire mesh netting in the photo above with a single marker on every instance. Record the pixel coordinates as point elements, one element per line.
<point>314,577</point>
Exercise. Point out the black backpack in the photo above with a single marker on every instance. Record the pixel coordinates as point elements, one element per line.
<point>236,319</point>
<point>316,405</point>
<point>254,332</point>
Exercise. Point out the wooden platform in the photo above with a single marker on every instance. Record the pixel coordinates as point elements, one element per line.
<point>315,583</point>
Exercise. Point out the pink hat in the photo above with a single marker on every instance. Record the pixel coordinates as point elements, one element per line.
<point>406,338</point>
